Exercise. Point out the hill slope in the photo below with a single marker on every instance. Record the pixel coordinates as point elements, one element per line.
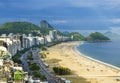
<point>97,37</point>
<point>27,27</point>
<point>19,27</point>
<point>76,36</point>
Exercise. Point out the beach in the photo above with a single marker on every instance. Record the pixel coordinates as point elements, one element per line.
<point>84,69</point>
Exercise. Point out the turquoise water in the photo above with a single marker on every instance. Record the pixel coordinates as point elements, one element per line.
<point>105,52</point>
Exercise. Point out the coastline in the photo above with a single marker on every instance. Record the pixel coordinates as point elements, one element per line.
<point>92,59</point>
<point>83,67</point>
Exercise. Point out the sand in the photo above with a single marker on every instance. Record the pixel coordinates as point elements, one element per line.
<point>84,69</point>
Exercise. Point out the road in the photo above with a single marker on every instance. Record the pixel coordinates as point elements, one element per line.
<point>24,62</point>
<point>50,77</point>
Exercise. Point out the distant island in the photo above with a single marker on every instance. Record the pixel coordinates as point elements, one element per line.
<point>97,37</point>
<point>112,35</point>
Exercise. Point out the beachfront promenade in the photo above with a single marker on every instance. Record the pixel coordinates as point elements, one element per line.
<point>92,70</point>
<point>37,59</point>
<point>43,70</point>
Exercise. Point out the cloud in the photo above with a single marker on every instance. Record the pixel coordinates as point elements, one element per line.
<point>115,29</point>
<point>115,21</point>
<point>36,4</point>
<point>69,14</point>
<point>41,4</point>
<point>82,3</point>
<point>96,3</point>
<point>59,21</point>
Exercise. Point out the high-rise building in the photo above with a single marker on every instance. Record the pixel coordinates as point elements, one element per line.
<point>53,35</point>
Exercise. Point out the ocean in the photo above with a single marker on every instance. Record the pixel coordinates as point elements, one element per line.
<point>106,52</point>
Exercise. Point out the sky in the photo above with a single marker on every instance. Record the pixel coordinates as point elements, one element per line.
<point>67,15</point>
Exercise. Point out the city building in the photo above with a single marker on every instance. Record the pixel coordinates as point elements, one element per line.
<point>48,38</point>
<point>42,40</point>
<point>53,35</point>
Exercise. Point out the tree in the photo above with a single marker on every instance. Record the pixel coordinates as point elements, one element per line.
<point>18,75</point>
<point>61,70</point>
<point>37,74</point>
<point>30,56</point>
<point>43,55</point>
<point>34,67</point>
<point>16,59</point>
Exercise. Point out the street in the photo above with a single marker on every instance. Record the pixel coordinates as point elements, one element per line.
<point>50,77</point>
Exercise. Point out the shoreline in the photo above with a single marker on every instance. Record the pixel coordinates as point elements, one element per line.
<point>92,59</point>
<point>84,69</point>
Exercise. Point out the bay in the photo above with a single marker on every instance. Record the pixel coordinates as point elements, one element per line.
<point>106,52</point>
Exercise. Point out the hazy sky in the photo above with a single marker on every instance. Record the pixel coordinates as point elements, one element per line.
<point>64,14</point>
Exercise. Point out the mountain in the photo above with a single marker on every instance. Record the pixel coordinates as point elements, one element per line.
<point>76,36</point>
<point>19,27</point>
<point>27,27</point>
<point>45,24</point>
<point>97,37</point>
<point>112,36</point>
<point>45,27</point>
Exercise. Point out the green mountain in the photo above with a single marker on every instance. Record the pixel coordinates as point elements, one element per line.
<point>97,37</point>
<point>76,36</point>
<point>19,27</point>
<point>27,27</point>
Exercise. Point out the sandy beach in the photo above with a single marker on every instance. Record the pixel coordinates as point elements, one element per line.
<point>84,69</point>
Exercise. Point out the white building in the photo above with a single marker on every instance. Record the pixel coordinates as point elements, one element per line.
<point>3,35</point>
<point>12,45</point>
<point>17,68</point>
<point>42,40</point>
<point>31,80</point>
<point>1,62</point>
<point>31,43</point>
<point>2,48</point>
<point>26,43</point>
<point>53,35</point>
<point>48,38</point>
<point>4,53</point>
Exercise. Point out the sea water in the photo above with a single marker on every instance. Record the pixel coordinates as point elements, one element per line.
<point>106,52</point>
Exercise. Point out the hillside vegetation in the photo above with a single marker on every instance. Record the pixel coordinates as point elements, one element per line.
<point>19,27</point>
<point>97,37</point>
<point>27,27</point>
<point>76,36</point>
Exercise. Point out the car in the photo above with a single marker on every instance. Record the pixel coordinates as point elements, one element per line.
<point>45,64</point>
